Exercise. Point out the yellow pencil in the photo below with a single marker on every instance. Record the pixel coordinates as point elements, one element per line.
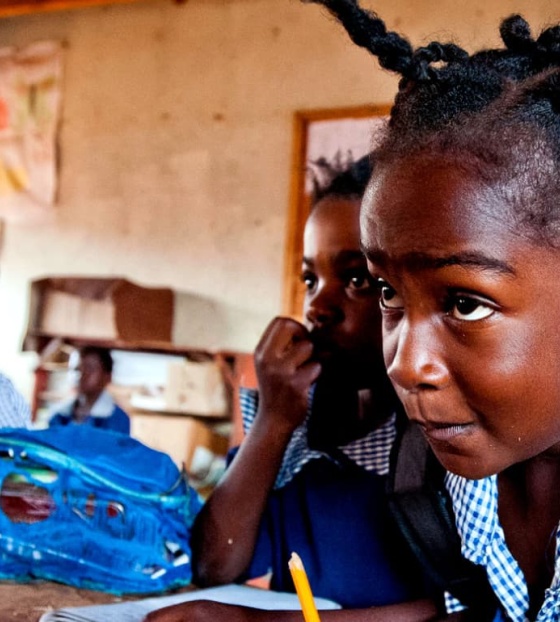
<point>303,589</point>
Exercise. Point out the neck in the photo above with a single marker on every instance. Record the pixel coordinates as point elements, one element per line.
<point>88,400</point>
<point>536,481</point>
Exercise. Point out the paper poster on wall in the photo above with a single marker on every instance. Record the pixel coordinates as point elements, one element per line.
<point>30,101</point>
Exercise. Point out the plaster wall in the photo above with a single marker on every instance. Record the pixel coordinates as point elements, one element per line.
<point>176,144</point>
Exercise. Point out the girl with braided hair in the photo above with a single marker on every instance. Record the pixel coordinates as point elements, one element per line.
<point>461,228</point>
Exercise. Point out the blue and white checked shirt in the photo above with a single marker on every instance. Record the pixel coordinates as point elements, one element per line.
<point>475,503</point>
<point>14,410</point>
<point>371,452</point>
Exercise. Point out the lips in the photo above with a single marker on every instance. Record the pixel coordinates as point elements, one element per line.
<point>445,431</point>
<point>427,410</point>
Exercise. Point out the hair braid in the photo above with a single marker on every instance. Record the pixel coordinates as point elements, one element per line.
<point>516,35</point>
<point>495,112</point>
<point>368,31</point>
<point>549,44</point>
<point>544,52</point>
<point>434,52</point>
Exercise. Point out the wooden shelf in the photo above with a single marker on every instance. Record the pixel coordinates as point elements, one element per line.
<point>42,339</point>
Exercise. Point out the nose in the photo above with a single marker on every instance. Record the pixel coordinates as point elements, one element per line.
<point>322,307</point>
<point>415,357</point>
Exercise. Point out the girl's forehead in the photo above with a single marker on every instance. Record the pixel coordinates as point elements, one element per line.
<point>423,204</point>
<point>422,221</point>
<point>337,217</point>
<point>90,361</point>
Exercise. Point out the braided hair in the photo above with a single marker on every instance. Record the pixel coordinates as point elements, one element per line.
<point>496,112</point>
<point>341,177</point>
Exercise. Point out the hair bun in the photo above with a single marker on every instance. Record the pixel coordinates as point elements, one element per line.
<point>549,44</point>
<point>434,52</point>
<point>516,35</point>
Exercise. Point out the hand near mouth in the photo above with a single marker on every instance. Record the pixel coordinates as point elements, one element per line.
<point>286,369</point>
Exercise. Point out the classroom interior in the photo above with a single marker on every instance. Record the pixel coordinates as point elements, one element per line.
<point>180,159</point>
<point>178,151</point>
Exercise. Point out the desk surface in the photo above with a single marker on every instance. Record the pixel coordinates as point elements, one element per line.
<point>27,602</point>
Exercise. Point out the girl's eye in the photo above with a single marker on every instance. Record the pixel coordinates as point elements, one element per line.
<point>309,280</point>
<point>389,299</point>
<point>469,309</point>
<point>359,281</point>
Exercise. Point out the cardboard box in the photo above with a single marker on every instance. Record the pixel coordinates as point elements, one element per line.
<point>196,388</point>
<point>98,308</point>
<point>178,436</point>
<point>67,314</point>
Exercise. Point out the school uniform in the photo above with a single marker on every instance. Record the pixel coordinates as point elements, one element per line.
<point>332,511</point>
<point>14,410</point>
<point>475,503</point>
<point>105,414</point>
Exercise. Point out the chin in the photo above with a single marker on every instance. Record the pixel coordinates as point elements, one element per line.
<point>468,467</point>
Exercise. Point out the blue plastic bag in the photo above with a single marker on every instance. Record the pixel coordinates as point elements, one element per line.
<point>94,509</point>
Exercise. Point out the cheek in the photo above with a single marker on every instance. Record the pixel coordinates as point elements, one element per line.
<point>513,382</point>
<point>389,339</point>
<point>92,379</point>
<point>514,354</point>
<point>364,322</point>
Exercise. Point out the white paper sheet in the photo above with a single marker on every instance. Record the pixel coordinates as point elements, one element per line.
<point>135,611</point>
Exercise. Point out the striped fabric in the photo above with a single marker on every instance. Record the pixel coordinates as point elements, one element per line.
<point>14,410</point>
<point>483,542</point>
<point>371,452</point>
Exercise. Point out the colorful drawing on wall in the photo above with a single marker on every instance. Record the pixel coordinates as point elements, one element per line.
<point>344,132</point>
<point>30,100</point>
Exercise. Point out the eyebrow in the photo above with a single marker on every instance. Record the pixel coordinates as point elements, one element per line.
<point>425,261</point>
<point>340,258</point>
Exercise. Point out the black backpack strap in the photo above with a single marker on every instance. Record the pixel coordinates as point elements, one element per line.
<point>420,504</point>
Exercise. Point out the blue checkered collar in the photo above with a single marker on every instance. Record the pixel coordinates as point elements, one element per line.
<point>475,503</point>
<point>372,452</point>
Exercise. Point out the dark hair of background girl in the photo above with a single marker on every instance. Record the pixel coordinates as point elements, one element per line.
<point>341,177</point>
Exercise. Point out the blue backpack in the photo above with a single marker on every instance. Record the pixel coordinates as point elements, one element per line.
<point>94,509</point>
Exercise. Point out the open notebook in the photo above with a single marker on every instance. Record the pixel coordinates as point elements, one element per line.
<point>135,611</point>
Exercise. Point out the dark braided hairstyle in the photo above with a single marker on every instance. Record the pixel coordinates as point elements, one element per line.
<point>341,177</point>
<point>495,113</point>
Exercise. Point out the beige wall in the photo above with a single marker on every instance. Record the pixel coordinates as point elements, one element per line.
<point>176,143</point>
